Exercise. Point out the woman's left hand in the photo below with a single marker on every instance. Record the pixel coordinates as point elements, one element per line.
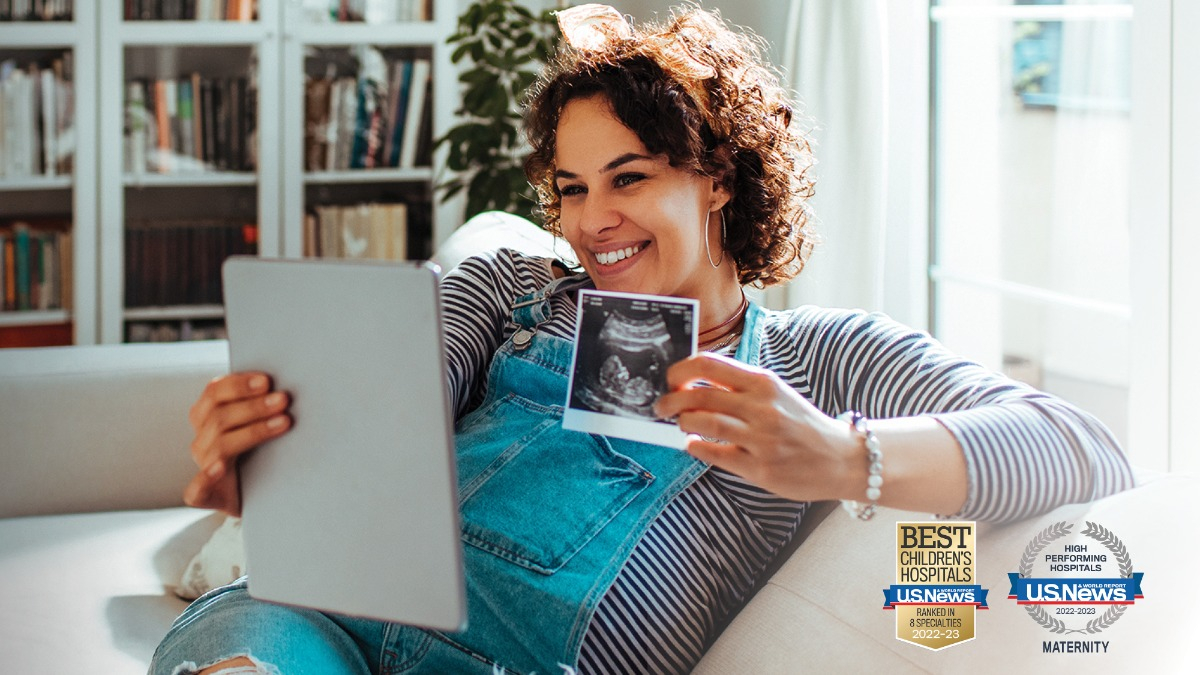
<point>765,431</point>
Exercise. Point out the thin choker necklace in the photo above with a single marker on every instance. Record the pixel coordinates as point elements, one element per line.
<point>706,340</point>
<point>737,314</point>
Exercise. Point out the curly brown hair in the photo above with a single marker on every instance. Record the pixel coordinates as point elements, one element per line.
<point>734,124</point>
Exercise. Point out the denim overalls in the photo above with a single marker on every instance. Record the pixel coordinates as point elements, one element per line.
<point>549,517</point>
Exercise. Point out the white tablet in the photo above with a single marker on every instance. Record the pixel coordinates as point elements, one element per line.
<point>355,509</point>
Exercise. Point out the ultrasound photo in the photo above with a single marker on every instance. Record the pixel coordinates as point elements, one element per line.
<point>625,343</point>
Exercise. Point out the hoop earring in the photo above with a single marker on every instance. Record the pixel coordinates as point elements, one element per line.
<point>707,248</point>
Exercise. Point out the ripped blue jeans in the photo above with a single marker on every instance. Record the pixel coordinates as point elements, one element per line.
<point>227,623</point>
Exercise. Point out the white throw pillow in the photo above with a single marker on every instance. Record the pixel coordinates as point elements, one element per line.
<point>220,561</point>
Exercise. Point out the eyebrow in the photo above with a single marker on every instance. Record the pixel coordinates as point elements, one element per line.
<point>623,159</point>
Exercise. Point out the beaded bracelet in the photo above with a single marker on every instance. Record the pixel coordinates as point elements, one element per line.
<point>874,467</point>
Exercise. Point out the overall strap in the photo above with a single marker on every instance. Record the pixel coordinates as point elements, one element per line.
<point>533,309</point>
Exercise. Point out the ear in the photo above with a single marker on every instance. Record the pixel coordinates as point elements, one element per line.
<point>720,196</point>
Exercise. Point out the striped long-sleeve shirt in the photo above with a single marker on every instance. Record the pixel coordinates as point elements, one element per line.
<point>1026,453</point>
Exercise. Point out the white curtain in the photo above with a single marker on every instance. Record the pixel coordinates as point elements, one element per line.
<point>835,53</point>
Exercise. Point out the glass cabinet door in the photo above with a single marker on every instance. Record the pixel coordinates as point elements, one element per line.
<point>47,178</point>
<point>194,167</point>
<point>360,112</point>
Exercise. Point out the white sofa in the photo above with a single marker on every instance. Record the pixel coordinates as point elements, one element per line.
<point>93,537</point>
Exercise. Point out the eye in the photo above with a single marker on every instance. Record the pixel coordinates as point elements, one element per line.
<point>571,190</point>
<point>626,179</point>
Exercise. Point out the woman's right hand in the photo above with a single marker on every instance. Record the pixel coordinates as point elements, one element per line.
<point>235,414</point>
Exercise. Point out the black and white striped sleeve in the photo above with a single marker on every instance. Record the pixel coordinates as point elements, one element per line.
<point>477,297</point>
<point>1027,452</point>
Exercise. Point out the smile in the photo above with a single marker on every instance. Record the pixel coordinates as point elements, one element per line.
<point>613,257</point>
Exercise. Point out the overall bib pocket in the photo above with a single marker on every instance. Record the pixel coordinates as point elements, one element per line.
<point>533,493</point>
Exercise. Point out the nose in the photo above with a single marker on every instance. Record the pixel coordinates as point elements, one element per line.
<point>597,214</point>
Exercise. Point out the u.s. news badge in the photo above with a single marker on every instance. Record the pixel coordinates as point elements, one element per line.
<point>1073,587</point>
<point>935,595</point>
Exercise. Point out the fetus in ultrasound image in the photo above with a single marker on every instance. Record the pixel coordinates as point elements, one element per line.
<point>625,347</point>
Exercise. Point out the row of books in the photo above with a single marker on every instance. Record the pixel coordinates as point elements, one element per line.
<point>368,11</point>
<point>35,267</point>
<point>375,231</point>
<point>190,10</point>
<point>35,10</point>
<point>381,118</point>
<point>36,121</point>
<point>179,263</point>
<point>190,124</point>
<point>175,331</point>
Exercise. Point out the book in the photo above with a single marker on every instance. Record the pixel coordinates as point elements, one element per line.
<point>47,292</point>
<point>66,262</point>
<point>197,149</point>
<point>316,119</point>
<point>380,234</point>
<point>17,96</point>
<point>187,125</point>
<point>208,134</point>
<point>221,124</point>
<point>49,122</point>
<point>312,247</point>
<point>35,119</point>
<point>397,230</point>
<point>10,273</point>
<point>362,122</point>
<point>347,119</point>
<point>397,107</point>
<point>21,265</point>
<point>331,126</point>
<point>162,126</point>
<point>418,91</point>
<point>329,224</point>
<point>356,231</point>
<point>4,266</point>
<point>64,100</point>
<point>6,120</point>
<point>235,135</point>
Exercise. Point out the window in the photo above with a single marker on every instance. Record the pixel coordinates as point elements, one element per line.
<point>1052,208</point>
<point>1029,257</point>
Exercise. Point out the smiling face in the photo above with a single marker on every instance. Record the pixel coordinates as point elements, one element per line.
<point>636,223</point>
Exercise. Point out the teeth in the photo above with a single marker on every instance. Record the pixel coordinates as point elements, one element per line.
<point>610,257</point>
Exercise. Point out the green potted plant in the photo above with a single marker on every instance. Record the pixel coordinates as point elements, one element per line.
<point>506,44</point>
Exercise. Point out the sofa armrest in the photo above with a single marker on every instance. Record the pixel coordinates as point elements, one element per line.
<point>97,428</point>
<point>492,230</point>
<point>829,593</point>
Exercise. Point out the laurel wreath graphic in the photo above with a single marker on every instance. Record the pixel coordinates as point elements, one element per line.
<point>1124,564</point>
<point>1094,531</point>
<point>1042,540</point>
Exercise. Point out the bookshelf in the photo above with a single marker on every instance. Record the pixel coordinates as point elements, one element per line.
<point>52,200</point>
<point>224,170</point>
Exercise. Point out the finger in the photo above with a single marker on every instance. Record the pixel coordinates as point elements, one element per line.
<point>221,390</point>
<point>233,443</point>
<point>199,489</point>
<point>230,416</point>
<point>709,399</point>
<point>724,455</point>
<point>717,427</point>
<point>221,494</point>
<point>719,370</point>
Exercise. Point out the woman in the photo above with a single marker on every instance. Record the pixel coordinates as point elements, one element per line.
<point>667,159</point>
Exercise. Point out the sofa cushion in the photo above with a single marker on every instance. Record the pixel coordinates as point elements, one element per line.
<point>824,606</point>
<point>92,593</point>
